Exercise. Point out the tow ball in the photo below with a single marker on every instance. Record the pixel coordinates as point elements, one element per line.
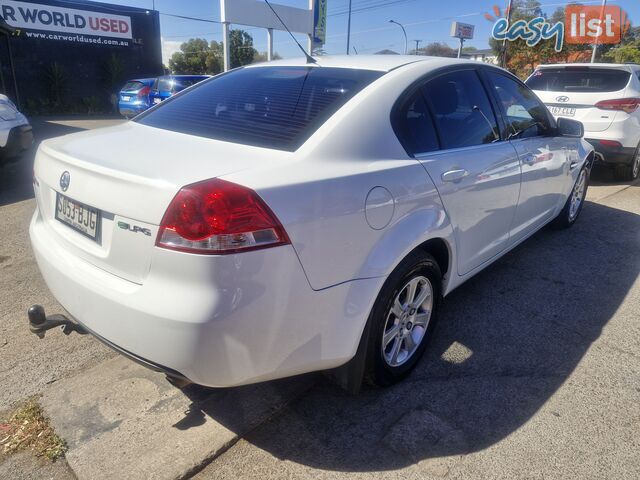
<point>39,322</point>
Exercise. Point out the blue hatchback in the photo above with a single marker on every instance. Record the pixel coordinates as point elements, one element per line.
<point>134,97</point>
<point>165,86</point>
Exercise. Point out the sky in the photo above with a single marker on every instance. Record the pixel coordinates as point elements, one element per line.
<point>424,20</point>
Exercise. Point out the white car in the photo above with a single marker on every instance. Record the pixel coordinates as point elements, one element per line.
<point>288,217</point>
<point>15,132</point>
<point>606,99</point>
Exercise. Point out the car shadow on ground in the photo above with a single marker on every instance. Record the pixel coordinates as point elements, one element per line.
<point>505,342</point>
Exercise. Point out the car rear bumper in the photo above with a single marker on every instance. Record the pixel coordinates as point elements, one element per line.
<point>20,139</point>
<point>131,109</point>
<point>217,320</point>
<point>614,155</point>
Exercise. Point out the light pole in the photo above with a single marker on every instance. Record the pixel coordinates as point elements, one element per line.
<point>349,28</point>
<point>595,42</point>
<point>403,31</point>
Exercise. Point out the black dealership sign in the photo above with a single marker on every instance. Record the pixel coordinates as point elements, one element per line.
<point>82,39</point>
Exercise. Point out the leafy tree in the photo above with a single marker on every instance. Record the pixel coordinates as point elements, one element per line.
<point>521,59</point>
<point>262,57</point>
<point>241,45</point>
<point>197,56</point>
<point>627,51</point>
<point>437,49</point>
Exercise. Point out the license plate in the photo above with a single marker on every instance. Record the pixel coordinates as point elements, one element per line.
<point>80,217</point>
<point>157,100</point>
<point>126,98</point>
<point>563,111</point>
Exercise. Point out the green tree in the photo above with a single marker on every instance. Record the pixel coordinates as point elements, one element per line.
<point>437,49</point>
<point>627,51</point>
<point>241,48</point>
<point>197,56</point>
<point>521,59</point>
<point>194,57</point>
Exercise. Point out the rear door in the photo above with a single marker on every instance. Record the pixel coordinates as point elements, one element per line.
<point>546,160</point>
<point>476,173</point>
<point>573,92</point>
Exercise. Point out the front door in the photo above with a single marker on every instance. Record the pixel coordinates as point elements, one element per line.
<point>545,158</point>
<point>476,173</point>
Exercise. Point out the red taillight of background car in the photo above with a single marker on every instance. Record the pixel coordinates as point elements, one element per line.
<point>219,217</point>
<point>628,105</point>
<point>144,91</point>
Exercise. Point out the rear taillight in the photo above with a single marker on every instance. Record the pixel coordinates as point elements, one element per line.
<point>610,143</point>
<point>218,217</point>
<point>628,105</point>
<point>144,92</point>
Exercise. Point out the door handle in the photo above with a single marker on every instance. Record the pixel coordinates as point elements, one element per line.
<point>573,165</point>
<point>454,175</point>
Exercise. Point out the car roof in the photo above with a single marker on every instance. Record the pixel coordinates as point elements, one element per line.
<point>383,63</point>
<point>616,66</point>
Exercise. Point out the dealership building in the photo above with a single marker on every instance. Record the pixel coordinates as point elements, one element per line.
<point>73,54</point>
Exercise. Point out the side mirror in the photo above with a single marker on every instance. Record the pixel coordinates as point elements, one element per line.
<point>570,128</point>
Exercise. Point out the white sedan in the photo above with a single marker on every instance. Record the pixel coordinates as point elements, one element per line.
<point>289,217</point>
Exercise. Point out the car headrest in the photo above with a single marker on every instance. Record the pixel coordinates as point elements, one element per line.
<point>444,97</point>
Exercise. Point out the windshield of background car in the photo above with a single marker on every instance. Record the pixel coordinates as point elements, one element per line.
<point>578,79</point>
<point>274,107</point>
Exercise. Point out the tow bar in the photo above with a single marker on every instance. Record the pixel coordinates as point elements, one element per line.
<point>40,323</point>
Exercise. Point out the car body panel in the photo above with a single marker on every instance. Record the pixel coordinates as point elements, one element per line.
<point>132,101</point>
<point>168,85</point>
<point>223,320</point>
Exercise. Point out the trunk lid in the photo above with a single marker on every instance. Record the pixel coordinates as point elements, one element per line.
<point>130,173</point>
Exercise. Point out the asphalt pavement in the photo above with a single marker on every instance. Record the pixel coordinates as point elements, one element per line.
<point>533,372</point>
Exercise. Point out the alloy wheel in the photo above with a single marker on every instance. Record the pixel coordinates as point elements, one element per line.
<point>577,196</point>
<point>407,321</point>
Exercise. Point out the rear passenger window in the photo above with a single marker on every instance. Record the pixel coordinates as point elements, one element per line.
<point>462,111</point>
<point>415,127</point>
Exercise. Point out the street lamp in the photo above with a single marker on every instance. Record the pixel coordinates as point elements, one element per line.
<point>403,31</point>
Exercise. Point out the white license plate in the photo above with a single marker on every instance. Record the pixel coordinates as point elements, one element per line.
<point>126,98</point>
<point>157,100</point>
<point>563,111</point>
<point>80,217</point>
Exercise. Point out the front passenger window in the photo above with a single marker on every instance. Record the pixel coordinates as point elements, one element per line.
<point>526,116</point>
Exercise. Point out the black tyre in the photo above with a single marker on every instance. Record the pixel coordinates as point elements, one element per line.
<point>631,171</point>
<point>572,208</point>
<point>403,319</point>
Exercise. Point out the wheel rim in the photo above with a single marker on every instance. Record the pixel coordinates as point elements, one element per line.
<point>407,321</point>
<point>577,196</point>
<point>636,165</point>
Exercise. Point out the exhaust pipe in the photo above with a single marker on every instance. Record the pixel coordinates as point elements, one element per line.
<point>40,323</point>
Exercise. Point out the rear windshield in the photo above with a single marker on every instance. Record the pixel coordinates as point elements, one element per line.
<point>132,86</point>
<point>275,107</point>
<point>578,79</point>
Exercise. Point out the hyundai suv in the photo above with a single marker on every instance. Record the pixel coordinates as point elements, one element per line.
<point>605,98</point>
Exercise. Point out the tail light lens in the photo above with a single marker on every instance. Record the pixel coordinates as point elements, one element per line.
<point>219,217</point>
<point>144,91</point>
<point>610,143</point>
<point>628,105</point>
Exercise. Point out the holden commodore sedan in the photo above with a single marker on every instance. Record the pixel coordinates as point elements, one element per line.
<point>295,217</point>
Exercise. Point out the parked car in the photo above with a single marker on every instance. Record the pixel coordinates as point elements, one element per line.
<point>286,218</point>
<point>605,98</point>
<point>166,86</point>
<point>16,134</point>
<point>134,97</point>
